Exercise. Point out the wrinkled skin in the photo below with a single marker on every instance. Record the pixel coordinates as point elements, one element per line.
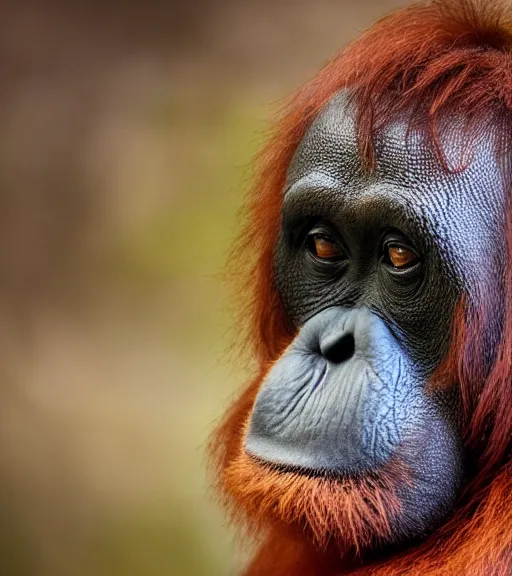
<point>351,393</point>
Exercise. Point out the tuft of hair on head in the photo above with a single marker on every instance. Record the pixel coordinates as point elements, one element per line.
<point>433,59</point>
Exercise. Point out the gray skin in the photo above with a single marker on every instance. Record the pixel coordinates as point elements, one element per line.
<point>350,393</point>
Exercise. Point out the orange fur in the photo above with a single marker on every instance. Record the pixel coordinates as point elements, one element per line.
<point>330,511</point>
<point>431,58</point>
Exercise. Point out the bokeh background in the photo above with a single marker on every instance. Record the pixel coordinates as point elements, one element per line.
<point>126,133</point>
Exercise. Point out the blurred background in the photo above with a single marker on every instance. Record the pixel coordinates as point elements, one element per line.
<point>127,130</point>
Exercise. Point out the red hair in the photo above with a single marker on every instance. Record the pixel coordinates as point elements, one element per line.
<point>432,59</point>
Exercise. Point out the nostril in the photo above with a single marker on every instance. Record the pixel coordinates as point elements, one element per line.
<point>340,349</point>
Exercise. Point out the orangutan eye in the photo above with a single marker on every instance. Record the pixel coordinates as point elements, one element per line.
<point>400,257</point>
<point>324,246</point>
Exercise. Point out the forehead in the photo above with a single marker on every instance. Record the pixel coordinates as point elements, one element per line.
<point>462,209</point>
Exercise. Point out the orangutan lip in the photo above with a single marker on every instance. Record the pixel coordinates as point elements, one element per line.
<point>298,470</point>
